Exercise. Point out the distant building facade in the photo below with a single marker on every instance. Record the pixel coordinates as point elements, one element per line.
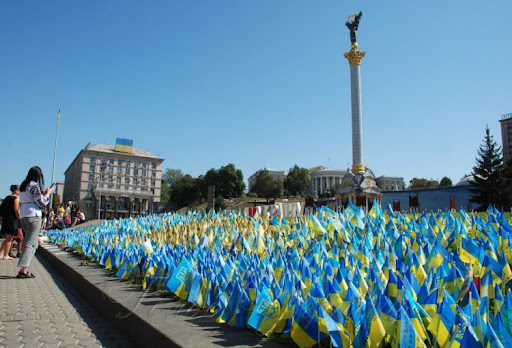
<point>431,199</point>
<point>325,179</point>
<point>274,173</point>
<point>59,189</point>
<point>390,183</point>
<point>127,180</point>
<point>506,136</point>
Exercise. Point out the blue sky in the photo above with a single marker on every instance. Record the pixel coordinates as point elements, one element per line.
<point>257,83</point>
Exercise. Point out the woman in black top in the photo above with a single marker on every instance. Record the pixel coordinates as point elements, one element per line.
<point>11,207</point>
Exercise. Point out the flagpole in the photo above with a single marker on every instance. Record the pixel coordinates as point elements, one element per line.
<point>54,157</point>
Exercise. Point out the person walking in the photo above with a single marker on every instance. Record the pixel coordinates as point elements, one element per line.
<point>32,200</point>
<point>10,222</point>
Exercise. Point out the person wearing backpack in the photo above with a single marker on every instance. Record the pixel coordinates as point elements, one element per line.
<point>10,212</point>
<point>32,200</point>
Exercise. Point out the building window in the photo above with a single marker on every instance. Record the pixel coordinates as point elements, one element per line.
<point>92,168</point>
<point>135,172</point>
<point>153,174</point>
<point>91,176</point>
<point>136,164</point>
<point>93,159</point>
<point>126,180</point>
<point>143,172</point>
<point>135,181</point>
<point>143,164</point>
<point>153,165</point>
<point>127,171</point>
<point>128,163</point>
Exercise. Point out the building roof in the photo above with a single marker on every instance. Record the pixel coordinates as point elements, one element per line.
<point>390,177</point>
<point>506,117</point>
<point>320,169</point>
<point>111,149</point>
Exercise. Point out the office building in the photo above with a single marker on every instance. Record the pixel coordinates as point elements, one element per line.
<point>126,180</point>
<point>506,136</point>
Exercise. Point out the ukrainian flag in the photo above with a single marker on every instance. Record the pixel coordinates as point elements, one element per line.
<point>181,280</point>
<point>305,331</point>
<point>377,331</point>
<point>469,251</point>
<point>443,321</point>
<point>408,335</point>
<point>265,315</point>
<point>335,330</point>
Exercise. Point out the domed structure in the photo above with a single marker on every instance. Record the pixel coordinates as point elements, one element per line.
<point>325,179</point>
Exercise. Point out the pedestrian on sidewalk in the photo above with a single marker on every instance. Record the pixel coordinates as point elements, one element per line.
<point>32,199</point>
<point>10,211</point>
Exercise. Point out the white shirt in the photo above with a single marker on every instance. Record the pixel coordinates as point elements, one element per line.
<point>32,201</point>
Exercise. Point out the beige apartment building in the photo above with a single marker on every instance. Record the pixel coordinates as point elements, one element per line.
<point>126,180</point>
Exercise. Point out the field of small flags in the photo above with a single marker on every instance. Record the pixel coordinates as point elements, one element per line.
<point>329,279</point>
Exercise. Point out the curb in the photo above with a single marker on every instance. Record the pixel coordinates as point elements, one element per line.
<point>138,331</point>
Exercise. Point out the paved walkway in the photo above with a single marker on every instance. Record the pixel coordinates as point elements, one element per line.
<point>47,311</point>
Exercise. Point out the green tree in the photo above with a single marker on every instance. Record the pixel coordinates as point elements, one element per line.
<point>165,193</point>
<point>486,183</point>
<point>185,191</point>
<point>220,203</point>
<point>228,181</point>
<point>297,181</point>
<point>171,176</point>
<point>55,201</point>
<point>445,182</point>
<point>422,183</point>
<point>266,186</point>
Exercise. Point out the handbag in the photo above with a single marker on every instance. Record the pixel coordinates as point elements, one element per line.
<point>19,235</point>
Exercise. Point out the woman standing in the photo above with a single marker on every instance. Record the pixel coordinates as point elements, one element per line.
<point>10,221</point>
<point>32,199</point>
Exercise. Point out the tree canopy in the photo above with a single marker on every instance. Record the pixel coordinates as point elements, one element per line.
<point>182,190</point>
<point>297,181</point>
<point>486,183</point>
<point>228,181</point>
<point>445,182</point>
<point>422,183</point>
<point>266,186</point>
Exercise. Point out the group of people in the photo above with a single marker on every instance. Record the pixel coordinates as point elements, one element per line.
<point>65,217</point>
<point>22,219</point>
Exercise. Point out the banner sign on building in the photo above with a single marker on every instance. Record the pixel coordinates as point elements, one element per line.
<point>124,145</point>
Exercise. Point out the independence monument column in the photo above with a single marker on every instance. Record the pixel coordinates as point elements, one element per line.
<point>354,57</point>
<point>359,184</point>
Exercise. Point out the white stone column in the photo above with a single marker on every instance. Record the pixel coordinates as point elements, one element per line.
<point>354,57</point>
<point>357,114</point>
